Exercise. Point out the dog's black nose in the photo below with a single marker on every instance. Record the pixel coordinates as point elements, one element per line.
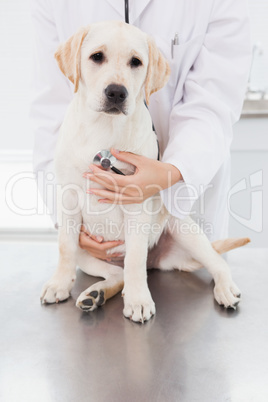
<point>116,93</point>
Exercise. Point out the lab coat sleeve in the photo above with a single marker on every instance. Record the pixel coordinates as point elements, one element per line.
<point>201,122</point>
<point>51,94</point>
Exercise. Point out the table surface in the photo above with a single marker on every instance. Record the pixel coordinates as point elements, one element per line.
<point>192,350</point>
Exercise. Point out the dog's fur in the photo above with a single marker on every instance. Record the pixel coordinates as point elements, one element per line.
<point>93,123</point>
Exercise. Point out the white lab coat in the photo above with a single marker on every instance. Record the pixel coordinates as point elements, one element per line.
<point>193,114</point>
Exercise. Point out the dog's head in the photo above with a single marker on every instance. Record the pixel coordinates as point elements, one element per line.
<point>113,64</point>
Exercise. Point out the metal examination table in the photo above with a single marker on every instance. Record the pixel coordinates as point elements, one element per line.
<point>192,350</point>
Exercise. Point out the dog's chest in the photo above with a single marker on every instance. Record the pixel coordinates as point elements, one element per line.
<point>77,146</point>
<point>72,162</point>
<point>77,154</point>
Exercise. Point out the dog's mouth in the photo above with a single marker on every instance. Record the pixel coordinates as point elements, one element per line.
<point>114,109</point>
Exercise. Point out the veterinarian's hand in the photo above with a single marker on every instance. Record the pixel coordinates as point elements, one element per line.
<point>97,247</point>
<point>149,178</point>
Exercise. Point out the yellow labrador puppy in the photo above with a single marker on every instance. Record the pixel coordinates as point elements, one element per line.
<point>113,66</point>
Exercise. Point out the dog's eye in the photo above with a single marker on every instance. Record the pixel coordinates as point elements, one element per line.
<point>97,57</point>
<point>135,62</point>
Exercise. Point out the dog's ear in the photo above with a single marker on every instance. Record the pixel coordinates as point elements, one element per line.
<point>158,70</point>
<point>68,56</point>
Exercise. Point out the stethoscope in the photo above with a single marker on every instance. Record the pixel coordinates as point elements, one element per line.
<point>126,12</point>
<point>106,160</point>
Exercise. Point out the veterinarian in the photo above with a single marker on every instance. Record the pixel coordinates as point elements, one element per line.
<point>207,44</point>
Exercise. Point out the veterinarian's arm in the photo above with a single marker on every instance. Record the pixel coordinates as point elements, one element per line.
<point>51,95</point>
<point>201,122</point>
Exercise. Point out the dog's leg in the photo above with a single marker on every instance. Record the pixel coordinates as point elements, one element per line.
<point>138,302</point>
<point>97,294</point>
<point>59,286</point>
<point>195,243</point>
<point>169,254</point>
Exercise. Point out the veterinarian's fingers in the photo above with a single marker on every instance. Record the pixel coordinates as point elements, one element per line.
<point>87,243</point>
<point>106,181</point>
<point>111,197</point>
<point>128,187</point>
<point>107,245</point>
<point>128,157</point>
<point>122,201</point>
<point>94,169</point>
<point>104,255</point>
<point>97,238</point>
<point>83,230</point>
<point>85,240</point>
<point>109,180</point>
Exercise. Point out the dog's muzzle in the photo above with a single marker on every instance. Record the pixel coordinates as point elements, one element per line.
<point>116,96</point>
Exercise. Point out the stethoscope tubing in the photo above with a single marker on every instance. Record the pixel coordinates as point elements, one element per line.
<point>114,169</point>
<point>126,12</point>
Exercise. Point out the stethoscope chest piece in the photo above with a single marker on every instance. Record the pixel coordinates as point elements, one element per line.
<point>106,160</point>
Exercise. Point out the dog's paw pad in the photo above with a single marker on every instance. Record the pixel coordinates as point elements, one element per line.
<point>94,294</point>
<point>89,301</point>
<point>101,299</point>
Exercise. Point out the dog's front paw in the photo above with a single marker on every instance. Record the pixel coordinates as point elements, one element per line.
<point>227,293</point>
<point>57,289</point>
<point>138,305</point>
